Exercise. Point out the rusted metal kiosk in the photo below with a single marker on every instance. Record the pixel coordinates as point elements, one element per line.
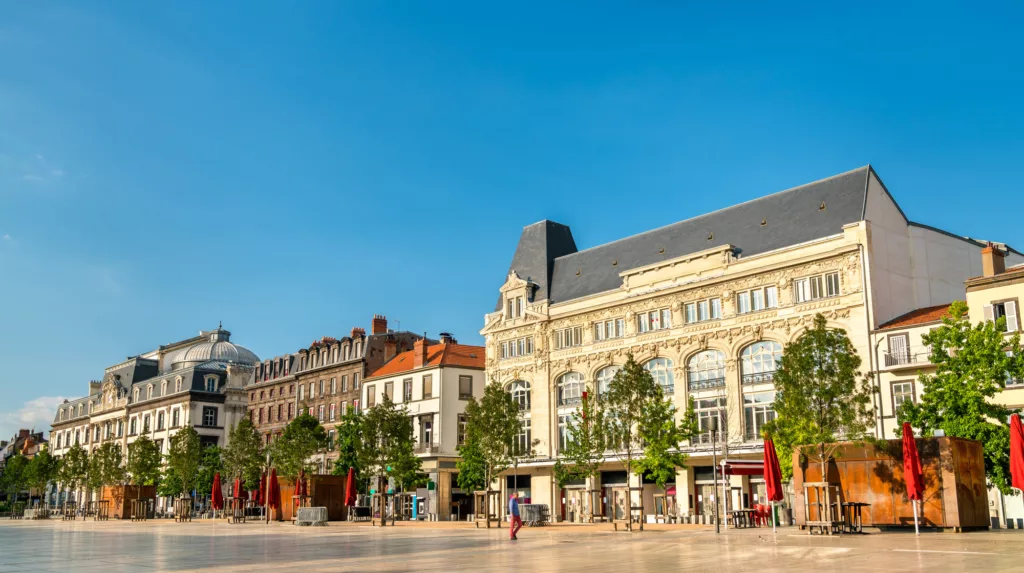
<point>488,507</point>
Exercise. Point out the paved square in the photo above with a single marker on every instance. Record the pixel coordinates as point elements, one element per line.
<point>116,547</point>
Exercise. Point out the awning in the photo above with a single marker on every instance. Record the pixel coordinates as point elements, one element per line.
<point>670,490</point>
<point>743,467</point>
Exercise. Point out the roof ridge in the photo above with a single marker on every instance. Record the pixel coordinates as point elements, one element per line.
<point>709,213</point>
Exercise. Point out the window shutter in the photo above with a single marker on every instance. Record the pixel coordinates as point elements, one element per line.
<point>989,315</point>
<point>1011,316</point>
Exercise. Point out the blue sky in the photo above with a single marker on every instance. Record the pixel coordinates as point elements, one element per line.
<point>293,168</point>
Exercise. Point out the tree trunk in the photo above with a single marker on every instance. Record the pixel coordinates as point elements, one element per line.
<point>824,464</point>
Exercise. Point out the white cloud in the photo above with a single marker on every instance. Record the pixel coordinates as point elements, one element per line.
<point>35,414</point>
<point>6,238</point>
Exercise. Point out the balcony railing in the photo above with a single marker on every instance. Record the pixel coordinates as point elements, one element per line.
<point>708,438</point>
<point>572,401</point>
<point>758,378</point>
<point>431,448</point>
<point>707,383</point>
<point>914,356</point>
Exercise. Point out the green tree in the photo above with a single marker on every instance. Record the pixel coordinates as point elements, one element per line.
<point>74,469</point>
<point>472,469</point>
<point>387,443</point>
<point>42,469</point>
<point>492,425</point>
<point>184,458</point>
<point>639,426</point>
<point>662,436</point>
<point>14,478</point>
<point>143,463</point>
<point>170,484</point>
<point>210,463</point>
<point>349,435</point>
<point>244,456</point>
<point>292,453</point>
<point>972,364</point>
<point>106,466</point>
<point>583,454</point>
<point>821,397</point>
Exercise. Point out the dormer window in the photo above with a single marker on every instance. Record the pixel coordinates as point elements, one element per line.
<point>163,388</point>
<point>177,385</point>
<point>149,392</point>
<point>211,383</point>
<point>516,307</point>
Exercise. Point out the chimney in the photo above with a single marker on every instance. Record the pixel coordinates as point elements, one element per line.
<point>358,332</point>
<point>23,434</point>
<point>447,338</point>
<point>419,353</point>
<point>390,348</point>
<point>95,387</point>
<point>379,324</point>
<point>992,262</point>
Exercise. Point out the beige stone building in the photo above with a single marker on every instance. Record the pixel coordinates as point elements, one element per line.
<point>707,305</point>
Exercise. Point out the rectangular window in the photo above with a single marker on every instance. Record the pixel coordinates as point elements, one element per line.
<point>330,440</point>
<point>320,413</point>
<point>743,302</point>
<point>209,416</point>
<point>691,312</point>
<point>280,411</point>
<point>517,347</point>
<point>290,411</point>
<point>609,329</point>
<point>757,411</point>
<point>461,435</point>
<point>816,287</point>
<point>321,387</point>
<point>407,390</point>
<point>569,337</point>
<point>759,299</point>
<point>709,417</point>
<point>355,381</point>
<point>901,392</point>
<point>334,385</point>
<point>389,390</point>
<point>465,387</point>
<point>519,306</point>
<point>771,295</point>
<point>428,386</point>
<point>654,320</point>
<point>703,310</point>
<point>344,383</point>
<point>333,411</point>
<point>371,397</point>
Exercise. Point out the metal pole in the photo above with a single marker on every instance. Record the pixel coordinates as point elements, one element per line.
<point>714,473</point>
<point>916,530</point>
<point>773,517</point>
<point>266,490</point>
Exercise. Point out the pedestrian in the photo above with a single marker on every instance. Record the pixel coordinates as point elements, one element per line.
<point>514,521</point>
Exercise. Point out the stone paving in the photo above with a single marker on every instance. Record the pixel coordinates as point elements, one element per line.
<point>217,547</point>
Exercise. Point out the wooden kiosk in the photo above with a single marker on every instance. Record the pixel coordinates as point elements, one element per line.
<point>379,504</point>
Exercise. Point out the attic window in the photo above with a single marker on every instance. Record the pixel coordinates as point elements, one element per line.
<point>661,251</point>
<point>764,222</point>
<point>822,206</point>
<point>711,236</point>
<point>578,271</point>
<point>615,262</point>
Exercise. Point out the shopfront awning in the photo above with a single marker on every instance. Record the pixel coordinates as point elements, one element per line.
<point>742,467</point>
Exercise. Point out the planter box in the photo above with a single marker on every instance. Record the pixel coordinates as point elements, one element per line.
<point>119,497</point>
<point>953,471</point>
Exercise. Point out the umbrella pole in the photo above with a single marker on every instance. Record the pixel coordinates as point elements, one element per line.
<point>773,516</point>
<point>916,530</point>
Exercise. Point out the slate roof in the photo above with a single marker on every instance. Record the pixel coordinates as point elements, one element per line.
<point>547,253</point>
<point>459,355</point>
<point>917,317</point>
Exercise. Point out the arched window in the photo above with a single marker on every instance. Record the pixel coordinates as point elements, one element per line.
<point>520,390</point>
<point>177,384</point>
<point>570,389</point>
<point>135,397</point>
<point>706,370</point>
<point>604,379</point>
<point>163,388</point>
<point>149,391</point>
<point>661,371</point>
<point>760,361</point>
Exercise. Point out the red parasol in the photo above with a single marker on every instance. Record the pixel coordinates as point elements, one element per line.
<point>772,476</point>
<point>218,493</point>
<point>912,469</point>
<point>300,486</point>
<point>237,491</point>
<point>274,491</point>
<point>350,488</point>
<point>261,495</point>
<point>1016,452</point>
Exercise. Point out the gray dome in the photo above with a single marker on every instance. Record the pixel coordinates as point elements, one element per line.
<point>220,348</point>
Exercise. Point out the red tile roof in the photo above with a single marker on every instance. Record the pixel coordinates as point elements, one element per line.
<point>460,355</point>
<point>917,317</point>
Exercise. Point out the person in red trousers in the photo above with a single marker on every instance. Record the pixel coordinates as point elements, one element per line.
<point>514,521</point>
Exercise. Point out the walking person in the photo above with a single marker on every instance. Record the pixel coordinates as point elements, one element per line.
<point>514,521</point>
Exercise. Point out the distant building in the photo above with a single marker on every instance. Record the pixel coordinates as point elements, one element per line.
<point>434,381</point>
<point>322,380</point>
<point>199,381</point>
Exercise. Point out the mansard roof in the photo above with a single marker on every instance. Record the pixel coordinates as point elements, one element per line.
<point>547,253</point>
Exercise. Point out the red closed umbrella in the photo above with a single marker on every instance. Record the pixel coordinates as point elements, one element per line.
<point>261,494</point>
<point>274,490</point>
<point>1016,452</point>
<point>237,491</point>
<point>912,470</point>
<point>772,476</point>
<point>217,495</point>
<point>350,488</point>
<point>300,486</point>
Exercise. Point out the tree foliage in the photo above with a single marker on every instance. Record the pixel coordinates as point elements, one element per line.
<point>662,436</point>
<point>293,451</point>
<point>821,397</point>
<point>387,444</point>
<point>42,469</point>
<point>14,478</point>
<point>209,465</point>
<point>74,468</point>
<point>184,457</point>
<point>492,425</point>
<point>349,436</point>
<point>972,364</point>
<point>244,456</point>
<point>143,464</point>
<point>472,474</point>
<point>583,453</point>
<point>106,466</point>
